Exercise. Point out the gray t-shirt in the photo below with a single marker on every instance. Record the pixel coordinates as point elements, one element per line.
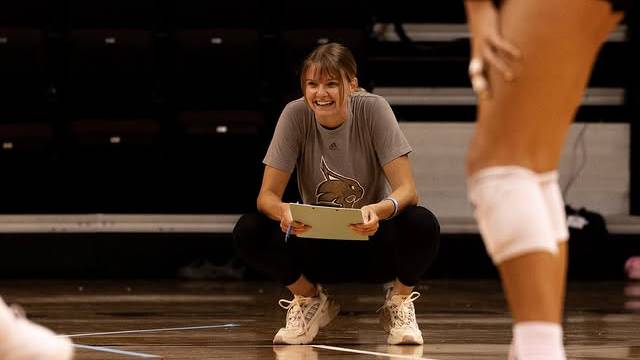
<point>342,166</point>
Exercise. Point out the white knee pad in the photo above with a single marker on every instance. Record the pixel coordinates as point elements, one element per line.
<point>511,212</point>
<point>555,205</point>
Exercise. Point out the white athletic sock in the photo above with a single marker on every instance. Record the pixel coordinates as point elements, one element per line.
<point>538,340</point>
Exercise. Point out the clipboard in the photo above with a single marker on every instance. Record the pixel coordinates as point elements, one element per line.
<point>328,222</point>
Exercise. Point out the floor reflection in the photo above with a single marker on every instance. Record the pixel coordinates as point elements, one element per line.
<point>632,292</point>
<point>295,352</point>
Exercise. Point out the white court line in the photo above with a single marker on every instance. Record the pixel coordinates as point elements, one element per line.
<point>369,352</point>
<point>438,321</point>
<point>135,298</point>
<point>151,330</point>
<point>115,351</point>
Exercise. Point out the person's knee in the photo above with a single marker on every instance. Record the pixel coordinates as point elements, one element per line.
<point>511,212</point>
<point>422,220</point>
<point>555,205</point>
<point>423,227</point>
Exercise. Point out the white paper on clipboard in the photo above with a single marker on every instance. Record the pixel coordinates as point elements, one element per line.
<point>328,222</point>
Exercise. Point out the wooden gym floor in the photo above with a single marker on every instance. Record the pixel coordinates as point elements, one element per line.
<point>174,319</point>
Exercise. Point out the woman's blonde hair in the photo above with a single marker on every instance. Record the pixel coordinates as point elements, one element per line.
<point>332,60</point>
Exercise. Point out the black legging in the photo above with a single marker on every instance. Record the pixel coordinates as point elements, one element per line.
<point>403,247</point>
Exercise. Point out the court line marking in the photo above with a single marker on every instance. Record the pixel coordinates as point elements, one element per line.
<point>369,352</point>
<point>136,298</point>
<point>151,330</point>
<point>116,351</point>
<point>437,321</point>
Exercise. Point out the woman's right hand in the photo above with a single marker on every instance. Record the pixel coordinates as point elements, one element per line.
<point>286,220</point>
<point>488,47</point>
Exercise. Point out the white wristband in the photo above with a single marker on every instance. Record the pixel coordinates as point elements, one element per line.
<point>396,206</point>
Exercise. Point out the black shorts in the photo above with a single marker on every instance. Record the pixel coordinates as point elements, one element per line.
<point>621,5</point>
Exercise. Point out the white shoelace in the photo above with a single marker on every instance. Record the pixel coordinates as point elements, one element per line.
<point>295,310</point>
<point>401,314</point>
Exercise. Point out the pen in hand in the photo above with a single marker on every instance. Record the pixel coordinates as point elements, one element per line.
<point>286,235</point>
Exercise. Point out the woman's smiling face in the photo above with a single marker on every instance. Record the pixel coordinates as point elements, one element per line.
<point>326,95</point>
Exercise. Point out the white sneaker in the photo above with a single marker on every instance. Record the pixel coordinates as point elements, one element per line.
<point>305,316</point>
<point>398,318</point>
<point>21,339</point>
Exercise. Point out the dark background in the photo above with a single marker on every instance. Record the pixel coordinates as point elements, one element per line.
<point>166,107</point>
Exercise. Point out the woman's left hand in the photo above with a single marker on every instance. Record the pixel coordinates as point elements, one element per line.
<point>371,221</point>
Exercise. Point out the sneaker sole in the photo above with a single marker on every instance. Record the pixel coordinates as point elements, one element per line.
<point>301,340</point>
<point>405,340</point>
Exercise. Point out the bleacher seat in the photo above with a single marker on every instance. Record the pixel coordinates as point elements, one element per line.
<point>408,11</point>
<point>114,165</point>
<point>215,160</point>
<point>27,158</point>
<point>329,14</point>
<point>217,90</point>
<point>219,14</point>
<point>110,68</point>
<point>217,68</point>
<point>138,14</point>
<point>41,14</point>
<point>21,141</point>
<point>25,82</point>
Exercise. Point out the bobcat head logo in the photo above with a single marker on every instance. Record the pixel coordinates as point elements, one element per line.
<point>337,190</point>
